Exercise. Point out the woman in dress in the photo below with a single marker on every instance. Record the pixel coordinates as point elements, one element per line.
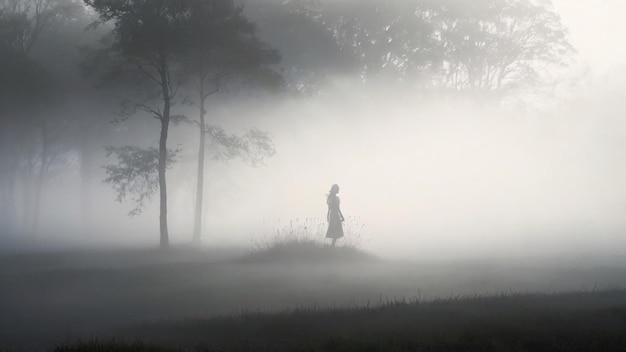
<point>334,216</point>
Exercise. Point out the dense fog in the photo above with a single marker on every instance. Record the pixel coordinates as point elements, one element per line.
<point>424,172</point>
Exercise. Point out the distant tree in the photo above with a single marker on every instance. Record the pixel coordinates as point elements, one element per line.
<point>25,91</point>
<point>24,21</point>
<point>309,52</point>
<point>384,38</point>
<point>490,47</point>
<point>224,48</point>
<point>495,46</point>
<point>31,138</point>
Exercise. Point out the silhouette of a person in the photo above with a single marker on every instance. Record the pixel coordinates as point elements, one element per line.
<point>334,216</point>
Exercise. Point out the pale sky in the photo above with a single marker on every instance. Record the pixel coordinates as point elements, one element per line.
<point>597,30</point>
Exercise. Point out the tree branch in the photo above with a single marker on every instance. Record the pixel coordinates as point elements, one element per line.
<point>148,74</point>
<point>156,112</point>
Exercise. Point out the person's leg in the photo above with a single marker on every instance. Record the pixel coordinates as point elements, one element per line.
<point>334,241</point>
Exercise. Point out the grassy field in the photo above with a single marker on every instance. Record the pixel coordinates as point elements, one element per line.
<point>301,297</point>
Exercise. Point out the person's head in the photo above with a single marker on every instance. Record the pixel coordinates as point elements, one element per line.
<point>334,189</point>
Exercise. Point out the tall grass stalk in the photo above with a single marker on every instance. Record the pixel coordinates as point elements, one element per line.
<point>311,231</point>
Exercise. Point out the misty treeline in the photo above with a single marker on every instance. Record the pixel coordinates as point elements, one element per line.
<point>79,79</point>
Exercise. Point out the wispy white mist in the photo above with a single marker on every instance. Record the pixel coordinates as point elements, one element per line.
<point>435,178</point>
<point>427,177</point>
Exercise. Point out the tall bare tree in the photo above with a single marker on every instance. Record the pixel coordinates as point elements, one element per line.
<point>148,39</point>
<point>225,49</point>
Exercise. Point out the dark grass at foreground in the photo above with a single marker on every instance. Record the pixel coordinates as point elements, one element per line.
<point>582,321</point>
<point>64,297</point>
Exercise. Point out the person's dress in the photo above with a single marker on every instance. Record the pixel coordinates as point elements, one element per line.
<point>335,228</point>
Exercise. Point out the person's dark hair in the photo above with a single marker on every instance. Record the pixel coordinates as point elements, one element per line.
<point>334,189</point>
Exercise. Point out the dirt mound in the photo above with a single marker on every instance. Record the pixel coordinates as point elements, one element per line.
<point>298,251</point>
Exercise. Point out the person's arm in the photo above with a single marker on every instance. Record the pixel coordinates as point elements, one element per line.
<point>340,214</point>
<point>328,214</point>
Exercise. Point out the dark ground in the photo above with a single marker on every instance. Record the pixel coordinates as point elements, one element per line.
<point>173,298</point>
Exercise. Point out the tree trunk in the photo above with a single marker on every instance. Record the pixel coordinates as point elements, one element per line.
<point>86,162</point>
<point>197,225</point>
<point>165,124</point>
<point>41,177</point>
<point>8,169</point>
<point>8,203</point>
<point>28,185</point>
<point>164,239</point>
<point>9,200</point>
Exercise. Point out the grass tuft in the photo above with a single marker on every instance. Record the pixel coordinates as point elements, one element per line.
<point>306,251</point>
<point>303,241</point>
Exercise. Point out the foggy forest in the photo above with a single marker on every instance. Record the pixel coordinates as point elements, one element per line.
<point>312,175</point>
